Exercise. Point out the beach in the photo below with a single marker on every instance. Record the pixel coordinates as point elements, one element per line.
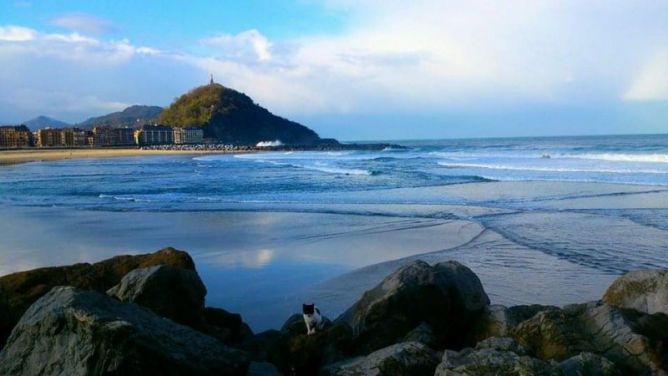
<point>269,231</point>
<point>252,258</point>
<point>35,155</point>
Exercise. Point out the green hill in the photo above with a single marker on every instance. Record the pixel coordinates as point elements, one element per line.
<point>232,117</point>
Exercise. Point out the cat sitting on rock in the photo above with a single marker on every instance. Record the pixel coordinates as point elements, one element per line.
<point>312,318</point>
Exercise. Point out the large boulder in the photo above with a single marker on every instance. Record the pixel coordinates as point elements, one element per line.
<point>406,358</point>
<point>499,321</point>
<point>226,326</point>
<point>293,351</point>
<point>175,293</point>
<point>447,296</point>
<point>504,356</point>
<point>634,341</point>
<point>588,364</point>
<point>492,362</point>
<point>76,332</point>
<point>19,290</point>
<point>643,290</point>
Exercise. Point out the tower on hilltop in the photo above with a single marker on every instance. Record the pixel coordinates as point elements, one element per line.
<point>211,82</point>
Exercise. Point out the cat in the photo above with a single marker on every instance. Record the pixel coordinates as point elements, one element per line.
<point>312,318</point>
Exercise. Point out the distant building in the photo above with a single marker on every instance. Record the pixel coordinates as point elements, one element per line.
<point>49,137</point>
<point>188,135</point>
<point>63,137</point>
<point>108,136</point>
<point>154,135</point>
<point>15,136</point>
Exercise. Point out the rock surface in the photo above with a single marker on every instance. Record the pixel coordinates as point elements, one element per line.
<point>175,293</point>
<point>643,290</point>
<point>293,351</point>
<point>226,326</point>
<point>504,356</point>
<point>406,358</point>
<point>76,332</point>
<point>19,290</point>
<point>588,364</point>
<point>634,341</point>
<point>499,321</point>
<point>447,296</point>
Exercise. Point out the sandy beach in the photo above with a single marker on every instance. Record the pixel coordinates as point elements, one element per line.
<point>34,155</point>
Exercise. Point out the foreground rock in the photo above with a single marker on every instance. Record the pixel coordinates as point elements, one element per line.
<point>634,341</point>
<point>407,358</point>
<point>19,290</point>
<point>447,296</point>
<point>503,356</point>
<point>295,352</point>
<point>75,332</point>
<point>175,293</point>
<point>499,321</point>
<point>643,290</point>
<point>226,326</point>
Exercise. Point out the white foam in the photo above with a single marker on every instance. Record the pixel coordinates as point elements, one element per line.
<point>550,169</point>
<point>264,144</point>
<point>622,157</point>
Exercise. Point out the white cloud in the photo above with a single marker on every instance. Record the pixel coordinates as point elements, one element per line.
<point>249,46</point>
<point>424,56</point>
<point>12,33</point>
<point>651,82</point>
<point>84,23</point>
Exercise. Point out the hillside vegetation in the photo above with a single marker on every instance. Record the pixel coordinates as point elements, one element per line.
<point>232,117</point>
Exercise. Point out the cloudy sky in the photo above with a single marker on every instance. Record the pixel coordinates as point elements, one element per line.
<point>352,69</point>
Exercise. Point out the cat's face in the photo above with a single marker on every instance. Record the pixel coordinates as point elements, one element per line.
<point>308,309</point>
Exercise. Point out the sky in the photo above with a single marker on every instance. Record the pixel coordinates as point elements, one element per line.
<point>350,69</point>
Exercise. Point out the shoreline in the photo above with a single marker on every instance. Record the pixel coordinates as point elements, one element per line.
<point>11,157</point>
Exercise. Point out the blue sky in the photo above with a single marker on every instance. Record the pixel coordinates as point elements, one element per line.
<point>366,69</point>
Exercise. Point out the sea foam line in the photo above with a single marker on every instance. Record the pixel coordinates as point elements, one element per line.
<point>549,169</point>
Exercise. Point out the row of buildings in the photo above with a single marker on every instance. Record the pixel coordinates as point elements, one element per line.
<point>20,136</point>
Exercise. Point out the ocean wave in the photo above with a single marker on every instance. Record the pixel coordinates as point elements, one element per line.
<point>621,157</point>
<point>550,169</point>
<point>320,167</point>
<point>337,170</point>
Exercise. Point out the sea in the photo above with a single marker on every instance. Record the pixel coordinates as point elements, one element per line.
<point>269,230</point>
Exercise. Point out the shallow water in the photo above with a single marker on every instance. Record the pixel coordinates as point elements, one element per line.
<point>271,230</point>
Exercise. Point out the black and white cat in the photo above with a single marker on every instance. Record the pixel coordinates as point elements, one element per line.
<point>312,318</point>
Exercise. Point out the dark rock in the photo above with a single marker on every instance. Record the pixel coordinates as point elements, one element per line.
<point>499,321</point>
<point>262,369</point>
<point>264,346</point>
<point>501,344</point>
<point>492,362</point>
<point>447,296</point>
<point>293,351</point>
<point>227,327</point>
<point>423,334</point>
<point>634,341</point>
<point>643,290</point>
<point>19,290</point>
<point>175,293</point>
<point>76,332</point>
<point>588,364</point>
<point>294,326</point>
<point>406,358</point>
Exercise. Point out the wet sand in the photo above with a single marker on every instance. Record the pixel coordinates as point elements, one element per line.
<point>34,155</point>
<point>529,242</point>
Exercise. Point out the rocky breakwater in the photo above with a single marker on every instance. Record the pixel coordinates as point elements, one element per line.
<point>420,320</point>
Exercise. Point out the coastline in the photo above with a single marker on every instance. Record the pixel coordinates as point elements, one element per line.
<point>9,157</point>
